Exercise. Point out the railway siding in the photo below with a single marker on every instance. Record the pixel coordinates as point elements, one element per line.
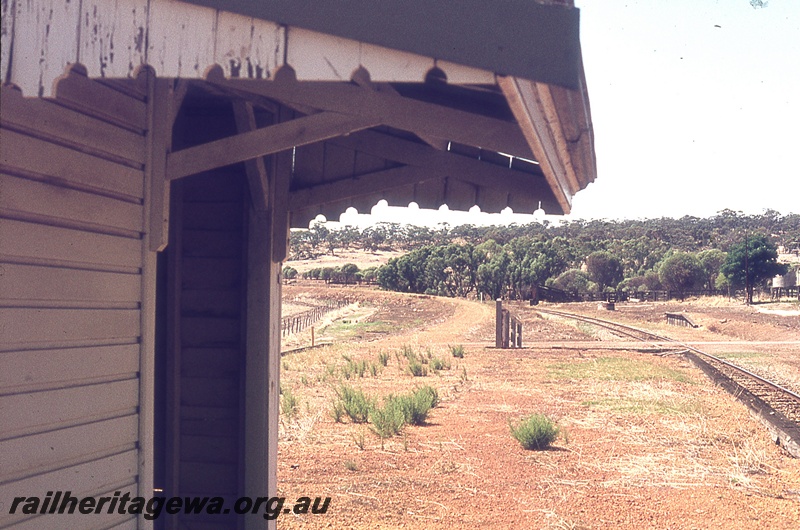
<point>777,407</point>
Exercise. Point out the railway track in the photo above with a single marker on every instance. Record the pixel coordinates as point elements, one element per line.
<point>776,406</point>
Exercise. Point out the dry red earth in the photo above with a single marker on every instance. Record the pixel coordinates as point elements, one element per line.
<point>650,442</point>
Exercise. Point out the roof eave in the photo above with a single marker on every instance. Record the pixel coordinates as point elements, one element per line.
<point>556,123</point>
<point>529,40</point>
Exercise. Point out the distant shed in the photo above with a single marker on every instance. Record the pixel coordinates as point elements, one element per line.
<point>154,154</point>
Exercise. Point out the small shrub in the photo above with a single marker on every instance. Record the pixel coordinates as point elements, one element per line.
<point>417,369</point>
<point>535,432</point>
<point>288,402</point>
<point>337,411</point>
<point>350,465</point>
<point>416,405</point>
<point>437,364</point>
<point>373,369</point>
<point>431,393</point>
<point>457,351</point>
<point>352,402</point>
<point>389,419</point>
<point>361,367</point>
<point>383,358</point>
<point>358,438</point>
<point>353,368</point>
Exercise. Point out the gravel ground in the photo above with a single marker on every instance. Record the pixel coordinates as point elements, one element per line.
<point>647,441</point>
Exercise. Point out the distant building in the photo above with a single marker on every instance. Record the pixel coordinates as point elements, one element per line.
<point>787,285</point>
<point>790,279</point>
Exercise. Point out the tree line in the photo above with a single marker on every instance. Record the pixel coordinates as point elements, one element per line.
<point>726,251</point>
<point>348,273</point>
<point>638,241</point>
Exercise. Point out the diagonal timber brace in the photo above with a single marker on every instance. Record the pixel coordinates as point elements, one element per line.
<point>427,120</point>
<point>262,142</point>
<point>255,168</point>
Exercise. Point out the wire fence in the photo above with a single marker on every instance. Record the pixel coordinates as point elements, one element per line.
<point>297,323</point>
<point>556,295</point>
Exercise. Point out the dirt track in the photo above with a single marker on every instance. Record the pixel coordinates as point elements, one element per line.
<point>651,444</point>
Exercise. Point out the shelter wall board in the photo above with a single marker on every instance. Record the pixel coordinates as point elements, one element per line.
<point>71,225</point>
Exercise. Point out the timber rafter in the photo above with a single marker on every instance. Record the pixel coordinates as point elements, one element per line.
<point>390,108</point>
<point>427,162</point>
<point>339,113</point>
<point>412,135</point>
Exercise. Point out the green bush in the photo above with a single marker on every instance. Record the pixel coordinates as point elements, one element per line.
<point>353,369</point>
<point>457,351</point>
<point>437,364</point>
<point>535,432</point>
<point>402,410</point>
<point>288,402</point>
<point>337,411</point>
<point>431,393</point>
<point>353,403</point>
<point>417,369</point>
<point>383,358</point>
<point>389,419</point>
<point>417,405</point>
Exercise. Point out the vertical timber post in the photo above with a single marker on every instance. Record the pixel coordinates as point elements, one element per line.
<point>506,327</point>
<point>268,235</point>
<point>498,334</point>
<point>261,378</point>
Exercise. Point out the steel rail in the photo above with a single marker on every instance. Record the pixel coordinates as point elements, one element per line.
<point>787,402</point>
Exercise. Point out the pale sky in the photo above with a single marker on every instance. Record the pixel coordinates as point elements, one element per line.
<point>695,106</point>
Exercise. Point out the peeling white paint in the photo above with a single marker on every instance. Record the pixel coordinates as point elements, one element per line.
<point>248,47</point>
<point>181,38</point>
<point>112,42</point>
<point>45,41</point>
<point>113,38</point>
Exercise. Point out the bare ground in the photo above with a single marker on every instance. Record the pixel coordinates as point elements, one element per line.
<point>649,443</point>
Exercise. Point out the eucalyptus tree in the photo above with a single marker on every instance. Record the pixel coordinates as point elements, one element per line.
<point>751,261</point>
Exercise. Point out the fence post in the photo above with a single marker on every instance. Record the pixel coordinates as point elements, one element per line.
<point>506,326</point>
<point>498,318</point>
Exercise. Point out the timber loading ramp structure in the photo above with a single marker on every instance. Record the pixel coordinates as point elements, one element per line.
<point>778,408</point>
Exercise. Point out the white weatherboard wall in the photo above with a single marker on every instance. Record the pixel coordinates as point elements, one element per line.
<point>73,270</point>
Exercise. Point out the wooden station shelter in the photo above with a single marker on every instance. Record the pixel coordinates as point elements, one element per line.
<point>155,153</point>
